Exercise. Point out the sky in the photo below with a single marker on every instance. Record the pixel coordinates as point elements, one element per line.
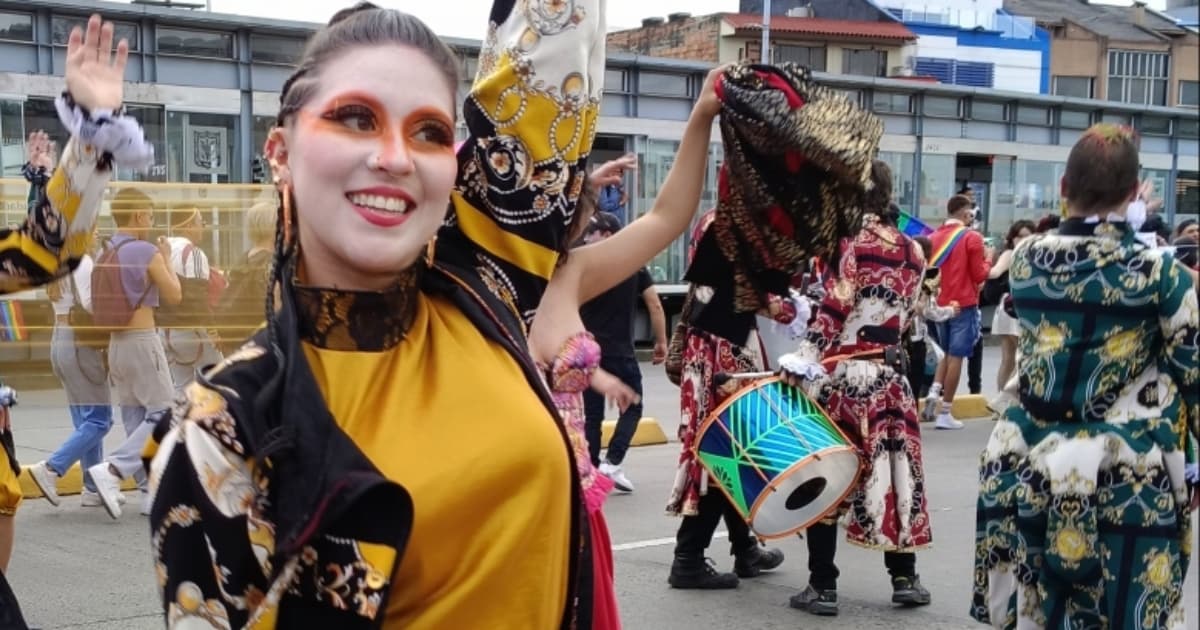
<point>446,17</point>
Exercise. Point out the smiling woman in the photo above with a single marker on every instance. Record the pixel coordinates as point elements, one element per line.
<point>331,473</point>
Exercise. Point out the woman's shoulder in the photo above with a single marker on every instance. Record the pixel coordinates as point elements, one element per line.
<point>214,402</point>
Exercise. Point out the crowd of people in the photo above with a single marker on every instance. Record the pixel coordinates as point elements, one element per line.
<point>316,474</point>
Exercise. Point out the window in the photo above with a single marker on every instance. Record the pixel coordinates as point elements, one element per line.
<point>1189,128</point>
<point>867,63</point>
<point>1138,77</point>
<point>271,49</point>
<point>942,107</point>
<point>954,72</point>
<point>940,69</point>
<point>663,84</point>
<point>1033,115</point>
<point>177,41</point>
<point>201,148</point>
<point>989,110</point>
<point>811,56</point>
<point>974,74</point>
<point>1155,126</point>
<point>854,96</point>
<point>1189,93</point>
<point>1074,119</point>
<point>1078,87</point>
<point>16,26</point>
<point>1115,118</point>
<point>151,119</point>
<point>61,25</point>
<point>614,80</point>
<point>891,103</point>
<point>470,68</point>
<point>12,141</point>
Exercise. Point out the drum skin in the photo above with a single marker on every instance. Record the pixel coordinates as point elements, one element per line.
<point>774,452</point>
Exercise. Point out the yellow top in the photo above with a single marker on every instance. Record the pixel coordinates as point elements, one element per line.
<point>485,464</point>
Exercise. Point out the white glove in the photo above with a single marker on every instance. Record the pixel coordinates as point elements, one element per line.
<point>1191,472</point>
<point>800,367</point>
<point>799,325</point>
<point>1135,214</point>
<point>120,136</point>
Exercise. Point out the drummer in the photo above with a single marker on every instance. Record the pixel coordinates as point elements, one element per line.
<point>694,497</point>
<point>867,303</point>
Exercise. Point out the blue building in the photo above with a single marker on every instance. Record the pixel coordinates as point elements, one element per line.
<point>976,43</point>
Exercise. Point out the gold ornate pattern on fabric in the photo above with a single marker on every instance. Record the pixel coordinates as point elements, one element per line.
<point>798,160</point>
<point>366,321</point>
<point>1082,502</point>
<point>531,114</point>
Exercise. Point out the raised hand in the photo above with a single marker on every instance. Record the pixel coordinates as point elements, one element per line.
<point>94,76</point>
<point>613,171</point>
<point>708,104</point>
<point>39,151</point>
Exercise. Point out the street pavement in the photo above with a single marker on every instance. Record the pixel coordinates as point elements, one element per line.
<point>75,568</point>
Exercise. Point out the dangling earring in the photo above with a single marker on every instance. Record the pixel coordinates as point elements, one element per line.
<point>285,194</point>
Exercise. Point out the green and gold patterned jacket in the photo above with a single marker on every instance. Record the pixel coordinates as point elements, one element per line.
<point>1082,516</point>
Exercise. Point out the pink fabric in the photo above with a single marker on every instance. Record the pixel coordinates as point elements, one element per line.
<point>568,377</point>
<point>605,615</point>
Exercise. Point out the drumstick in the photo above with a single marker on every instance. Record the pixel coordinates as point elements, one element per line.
<point>724,377</point>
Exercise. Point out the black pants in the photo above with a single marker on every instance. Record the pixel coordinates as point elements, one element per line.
<point>975,368</point>
<point>626,369</point>
<point>10,611</point>
<point>696,532</point>
<point>916,365</point>
<point>822,547</point>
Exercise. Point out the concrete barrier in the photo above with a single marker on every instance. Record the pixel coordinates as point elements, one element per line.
<point>68,484</point>
<point>648,433</point>
<point>968,407</point>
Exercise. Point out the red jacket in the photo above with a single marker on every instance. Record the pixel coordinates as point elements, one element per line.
<point>966,268</point>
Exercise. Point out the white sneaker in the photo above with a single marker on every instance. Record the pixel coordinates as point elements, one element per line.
<point>946,422</point>
<point>932,402</point>
<point>108,486</point>
<point>89,499</point>
<point>147,503</point>
<point>46,480</point>
<point>614,472</point>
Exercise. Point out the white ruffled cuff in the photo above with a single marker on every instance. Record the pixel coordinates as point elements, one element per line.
<point>796,365</point>
<point>109,133</point>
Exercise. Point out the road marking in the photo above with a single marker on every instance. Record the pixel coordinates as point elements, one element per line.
<point>655,542</point>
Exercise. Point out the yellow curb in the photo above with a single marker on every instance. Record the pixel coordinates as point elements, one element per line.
<point>68,484</point>
<point>969,407</point>
<point>648,433</point>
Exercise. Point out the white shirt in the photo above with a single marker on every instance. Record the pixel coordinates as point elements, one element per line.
<point>83,284</point>
<point>196,265</point>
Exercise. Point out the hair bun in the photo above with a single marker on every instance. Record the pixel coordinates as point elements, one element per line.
<point>363,5</point>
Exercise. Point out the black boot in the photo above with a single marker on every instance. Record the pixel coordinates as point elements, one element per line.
<point>821,602</point>
<point>696,572</point>
<point>752,562</point>
<point>909,592</point>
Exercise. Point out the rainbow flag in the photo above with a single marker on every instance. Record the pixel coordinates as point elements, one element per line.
<point>912,226</point>
<point>12,323</point>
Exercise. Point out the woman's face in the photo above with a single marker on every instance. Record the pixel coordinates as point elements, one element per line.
<point>370,158</point>
<point>1022,234</point>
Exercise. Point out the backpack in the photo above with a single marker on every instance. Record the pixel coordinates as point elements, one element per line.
<point>195,310</point>
<point>242,304</point>
<point>111,309</point>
